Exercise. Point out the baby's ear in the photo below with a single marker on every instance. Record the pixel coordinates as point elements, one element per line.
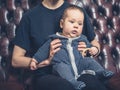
<point>61,23</point>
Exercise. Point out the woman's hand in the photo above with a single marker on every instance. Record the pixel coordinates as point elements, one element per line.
<point>54,47</point>
<point>81,46</point>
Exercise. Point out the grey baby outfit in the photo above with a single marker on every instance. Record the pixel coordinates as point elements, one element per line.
<point>68,62</point>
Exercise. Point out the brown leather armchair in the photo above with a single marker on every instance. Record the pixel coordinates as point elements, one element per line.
<point>105,17</point>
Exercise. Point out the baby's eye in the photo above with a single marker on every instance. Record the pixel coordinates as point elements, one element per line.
<point>80,23</point>
<point>71,21</point>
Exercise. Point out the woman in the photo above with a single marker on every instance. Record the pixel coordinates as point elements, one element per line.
<point>36,25</point>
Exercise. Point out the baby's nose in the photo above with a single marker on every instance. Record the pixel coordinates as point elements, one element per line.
<point>75,25</point>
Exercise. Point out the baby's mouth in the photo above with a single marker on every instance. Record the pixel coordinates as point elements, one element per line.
<point>74,32</point>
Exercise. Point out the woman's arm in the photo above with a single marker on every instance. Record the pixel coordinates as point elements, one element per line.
<point>95,50</point>
<point>19,59</point>
<point>96,44</point>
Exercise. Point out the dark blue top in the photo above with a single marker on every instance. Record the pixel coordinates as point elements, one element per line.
<point>40,22</point>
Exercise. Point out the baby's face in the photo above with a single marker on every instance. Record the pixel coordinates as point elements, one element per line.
<point>73,23</point>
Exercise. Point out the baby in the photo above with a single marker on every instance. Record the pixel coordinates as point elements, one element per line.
<point>68,62</point>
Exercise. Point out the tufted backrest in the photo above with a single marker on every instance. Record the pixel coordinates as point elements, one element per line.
<point>104,16</point>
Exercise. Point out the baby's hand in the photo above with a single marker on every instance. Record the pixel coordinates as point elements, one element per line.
<point>93,51</point>
<point>44,63</point>
<point>33,64</point>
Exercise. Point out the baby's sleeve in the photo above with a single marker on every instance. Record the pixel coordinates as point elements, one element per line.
<point>43,52</point>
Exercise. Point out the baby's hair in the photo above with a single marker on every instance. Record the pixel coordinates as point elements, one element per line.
<point>71,7</point>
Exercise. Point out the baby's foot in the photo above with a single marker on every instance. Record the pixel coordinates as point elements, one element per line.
<point>108,74</point>
<point>105,74</point>
<point>80,85</point>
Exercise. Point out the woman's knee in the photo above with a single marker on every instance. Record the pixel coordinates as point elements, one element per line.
<point>51,82</point>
